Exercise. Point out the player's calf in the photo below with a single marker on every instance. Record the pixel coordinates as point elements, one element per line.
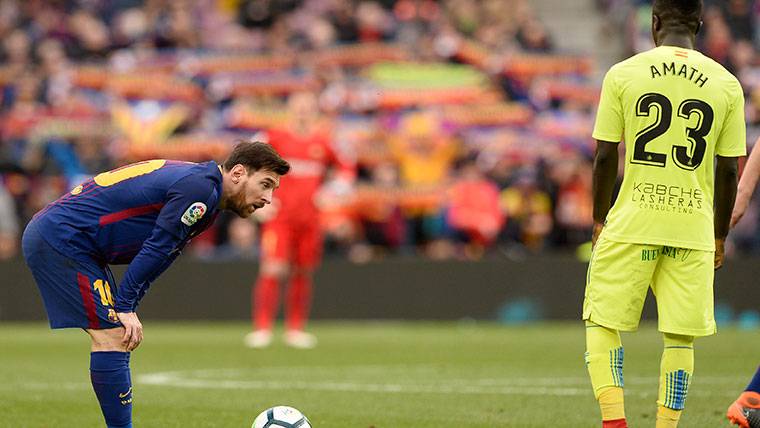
<point>110,376</point>
<point>604,361</point>
<point>676,369</point>
<point>112,383</point>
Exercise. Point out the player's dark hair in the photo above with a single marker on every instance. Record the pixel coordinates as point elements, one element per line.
<point>256,155</point>
<point>680,16</point>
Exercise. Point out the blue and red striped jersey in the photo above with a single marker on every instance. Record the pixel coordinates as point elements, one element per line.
<point>142,214</point>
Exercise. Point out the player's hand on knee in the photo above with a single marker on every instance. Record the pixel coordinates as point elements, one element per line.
<point>133,330</point>
<point>720,252</point>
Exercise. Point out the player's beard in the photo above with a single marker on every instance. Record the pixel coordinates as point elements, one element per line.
<point>242,208</point>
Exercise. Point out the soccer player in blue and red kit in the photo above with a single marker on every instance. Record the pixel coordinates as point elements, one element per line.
<point>745,411</point>
<point>142,215</point>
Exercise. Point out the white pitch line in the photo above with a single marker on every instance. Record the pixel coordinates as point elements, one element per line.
<point>523,385</point>
<point>506,386</point>
<point>39,386</point>
<point>289,372</point>
<point>160,380</point>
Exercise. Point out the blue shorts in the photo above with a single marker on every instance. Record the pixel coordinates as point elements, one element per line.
<point>76,293</point>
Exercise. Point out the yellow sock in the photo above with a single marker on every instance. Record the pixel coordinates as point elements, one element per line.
<point>611,403</point>
<point>667,418</point>
<point>604,361</point>
<point>676,369</point>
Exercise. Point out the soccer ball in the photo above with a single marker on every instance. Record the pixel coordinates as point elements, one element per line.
<point>281,417</point>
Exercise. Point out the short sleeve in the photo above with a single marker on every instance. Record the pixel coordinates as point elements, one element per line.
<point>733,136</point>
<point>609,124</point>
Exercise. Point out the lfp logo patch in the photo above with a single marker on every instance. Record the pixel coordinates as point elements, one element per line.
<point>194,213</point>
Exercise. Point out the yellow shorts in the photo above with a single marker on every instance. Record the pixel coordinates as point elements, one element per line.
<point>681,279</point>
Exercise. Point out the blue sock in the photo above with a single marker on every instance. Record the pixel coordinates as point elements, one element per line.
<point>755,384</point>
<point>109,373</point>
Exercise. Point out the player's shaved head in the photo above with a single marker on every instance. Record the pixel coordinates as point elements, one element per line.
<point>678,16</point>
<point>255,155</point>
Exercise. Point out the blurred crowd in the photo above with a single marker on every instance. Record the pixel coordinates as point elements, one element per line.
<point>468,132</point>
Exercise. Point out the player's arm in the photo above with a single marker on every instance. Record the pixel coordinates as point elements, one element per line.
<point>608,131</point>
<point>726,176</point>
<point>155,256</point>
<point>603,183</point>
<point>172,229</point>
<point>747,184</point>
<point>731,144</point>
<point>173,226</point>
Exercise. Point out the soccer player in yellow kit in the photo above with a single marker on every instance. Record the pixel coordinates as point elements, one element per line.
<point>677,111</point>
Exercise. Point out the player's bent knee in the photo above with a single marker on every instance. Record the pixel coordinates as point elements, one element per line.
<point>107,340</point>
<point>275,268</point>
<point>671,339</point>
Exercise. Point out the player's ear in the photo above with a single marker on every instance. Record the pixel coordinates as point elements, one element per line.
<point>656,26</point>
<point>237,172</point>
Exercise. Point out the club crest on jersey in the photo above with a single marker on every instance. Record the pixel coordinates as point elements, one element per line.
<point>194,213</point>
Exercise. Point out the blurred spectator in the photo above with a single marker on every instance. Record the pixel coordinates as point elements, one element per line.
<point>474,211</point>
<point>379,212</point>
<point>344,22</point>
<point>90,36</point>
<point>739,18</point>
<point>16,50</point>
<point>373,22</point>
<point>533,37</point>
<point>528,210</point>
<point>425,156</point>
<point>639,35</point>
<point>262,14</point>
<point>716,37</point>
<point>9,228</point>
<point>242,242</point>
<point>573,204</point>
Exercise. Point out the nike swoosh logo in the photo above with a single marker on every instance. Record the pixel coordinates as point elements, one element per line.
<point>126,393</point>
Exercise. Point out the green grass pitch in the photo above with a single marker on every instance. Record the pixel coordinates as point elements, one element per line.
<point>362,374</point>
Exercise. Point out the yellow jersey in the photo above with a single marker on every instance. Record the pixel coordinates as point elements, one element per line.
<point>676,109</point>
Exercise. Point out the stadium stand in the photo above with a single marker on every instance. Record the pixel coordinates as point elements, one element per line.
<point>87,85</point>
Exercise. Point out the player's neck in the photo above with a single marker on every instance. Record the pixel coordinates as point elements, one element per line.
<point>225,186</point>
<point>677,40</point>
